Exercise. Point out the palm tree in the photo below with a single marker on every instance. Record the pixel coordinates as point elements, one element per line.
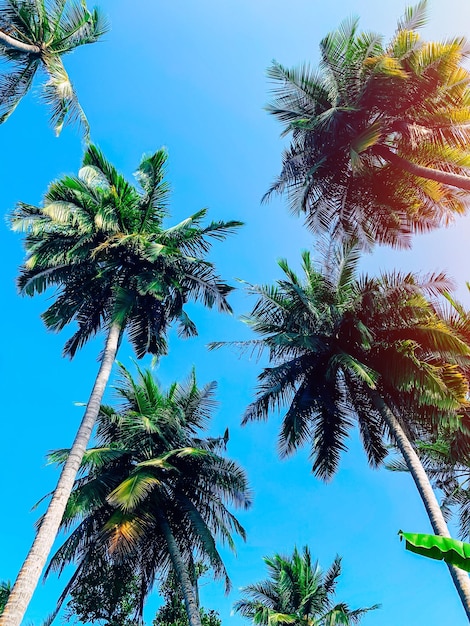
<point>34,35</point>
<point>372,350</point>
<point>101,241</point>
<point>153,493</point>
<point>380,134</point>
<point>297,592</point>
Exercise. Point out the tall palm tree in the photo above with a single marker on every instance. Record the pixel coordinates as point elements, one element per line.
<point>101,241</point>
<point>380,133</point>
<point>153,493</point>
<point>34,35</point>
<point>297,592</point>
<point>370,350</point>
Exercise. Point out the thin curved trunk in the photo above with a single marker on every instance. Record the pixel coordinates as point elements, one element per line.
<point>415,467</point>
<point>31,570</point>
<point>190,601</point>
<point>446,178</point>
<point>10,42</point>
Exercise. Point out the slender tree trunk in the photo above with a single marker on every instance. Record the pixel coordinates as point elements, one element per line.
<point>10,42</point>
<point>446,178</point>
<point>187,589</point>
<point>438,523</point>
<point>31,570</point>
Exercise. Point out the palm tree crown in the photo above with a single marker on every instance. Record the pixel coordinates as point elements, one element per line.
<point>378,133</point>
<point>297,592</point>
<point>151,485</point>
<point>335,340</point>
<point>102,242</point>
<point>34,35</point>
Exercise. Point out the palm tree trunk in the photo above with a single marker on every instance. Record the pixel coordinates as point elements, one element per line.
<point>181,572</point>
<point>10,42</point>
<point>31,570</point>
<point>446,178</point>
<point>416,469</point>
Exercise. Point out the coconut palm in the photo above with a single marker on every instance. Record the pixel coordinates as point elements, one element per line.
<point>101,241</point>
<point>34,35</point>
<point>297,592</point>
<point>153,493</point>
<point>370,350</point>
<point>380,133</point>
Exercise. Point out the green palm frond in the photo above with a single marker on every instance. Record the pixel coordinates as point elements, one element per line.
<point>14,86</point>
<point>348,362</point>
<point>415,17</point>
<point>5,589</point>
<point>134,489</point>
<point>151,177</point>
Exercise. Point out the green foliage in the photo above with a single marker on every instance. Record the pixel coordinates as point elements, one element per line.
<point>163,478</point>
<point>367,103</point>
<point>108,594</point>
<point>52,29</point>
<point>451,551</point>
<point>445,456</point>
<point>5,589</point>
<point>173,612</point>
<point>334,340</point>
<point>297,592</point>
<point>102,243</point>
<point>445,453</point>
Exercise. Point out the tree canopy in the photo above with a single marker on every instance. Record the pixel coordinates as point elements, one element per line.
<point>380,137</point>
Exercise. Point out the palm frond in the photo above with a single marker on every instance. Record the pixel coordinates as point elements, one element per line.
<point>14,86</point>
<point>59,94</point>
<point>414,17</point>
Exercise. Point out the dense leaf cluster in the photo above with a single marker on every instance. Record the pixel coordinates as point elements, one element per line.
<point>152,475</point>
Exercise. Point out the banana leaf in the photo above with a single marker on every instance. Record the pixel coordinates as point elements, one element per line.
<point>451,551</point>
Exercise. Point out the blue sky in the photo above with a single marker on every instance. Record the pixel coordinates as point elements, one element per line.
<point>191,76</point>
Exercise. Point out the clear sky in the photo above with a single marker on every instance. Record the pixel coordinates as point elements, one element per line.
<point>190,75</point>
